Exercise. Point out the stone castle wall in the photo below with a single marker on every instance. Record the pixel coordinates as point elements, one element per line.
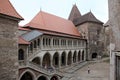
<point>94,34</point>
<point>8,49</point>
<point>114,18</point>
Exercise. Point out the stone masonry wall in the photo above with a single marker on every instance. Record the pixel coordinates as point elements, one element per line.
<point>94,34</point>
<point>114,18</point>
<point>8,49</point>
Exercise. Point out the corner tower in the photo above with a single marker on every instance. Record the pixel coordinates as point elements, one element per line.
<point>9,19</point>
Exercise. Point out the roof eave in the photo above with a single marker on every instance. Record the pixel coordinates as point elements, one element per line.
<point>89,21</point>
<point>11,17</point>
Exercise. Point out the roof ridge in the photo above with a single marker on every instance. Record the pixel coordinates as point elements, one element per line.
<point>89,16</point>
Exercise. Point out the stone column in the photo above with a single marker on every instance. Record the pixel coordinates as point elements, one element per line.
<point>77,57</point>
<point>59,61</point>
<point>41,42</point>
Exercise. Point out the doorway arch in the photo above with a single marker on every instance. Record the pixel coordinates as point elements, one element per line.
<point>27,76</point>
<point>54,78</point>
<point>42,78</point>
<point>94,55</point>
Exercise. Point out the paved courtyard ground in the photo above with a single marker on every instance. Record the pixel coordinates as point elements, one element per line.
<point>99,70</point>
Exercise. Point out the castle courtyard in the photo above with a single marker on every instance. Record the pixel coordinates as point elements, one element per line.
<point>99,70</point>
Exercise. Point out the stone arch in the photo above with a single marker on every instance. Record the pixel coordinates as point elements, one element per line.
<point>69,60</point>
<point>94,55</point>
<point>21,54</point>
<point>27,75</point>
<point>36,60</point>
<point>63,58</point>
<point>56,59</point>
<point>83,54</point>
<point>79,55</point>
<point>54,78</point>
<point>46,62</point>
<point>42,78</point>
<point>74,56</point>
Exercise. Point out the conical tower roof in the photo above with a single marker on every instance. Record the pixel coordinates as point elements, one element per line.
<point>89,17</point>
<point>6,8</point>
<point>75,13</point>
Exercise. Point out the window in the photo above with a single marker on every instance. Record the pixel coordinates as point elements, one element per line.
<point>43,42</point>
<point>35,44</point>
<point>38,42</point>
<point>31,46</point>
<point>21,54</point>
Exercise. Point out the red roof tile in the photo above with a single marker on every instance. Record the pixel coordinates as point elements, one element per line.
<point>7,9</point>
<point>22,41</point>
<point>51,22</point>
<point>59,34</point>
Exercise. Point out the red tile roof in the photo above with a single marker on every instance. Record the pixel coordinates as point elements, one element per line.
<point>7,9</point>
<point>46,21</point>
<point>22,41</point>
<point>59,34</point>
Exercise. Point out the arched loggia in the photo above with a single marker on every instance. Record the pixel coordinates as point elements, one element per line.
<point>36,60</point>
<point>56,59</point>
<point>79,55</point>
<point>63,59</point>
<point>83,54</point>
<point>69,61</point>
<point>42,78</point>
<point>27,76</point>
<point>46,60</point>
<point>74,57</point>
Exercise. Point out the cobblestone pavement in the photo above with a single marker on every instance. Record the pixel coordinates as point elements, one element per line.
<point>99,70</point>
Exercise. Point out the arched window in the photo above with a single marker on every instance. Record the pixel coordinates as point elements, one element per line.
<point>21,54</point>
<point>35,44</point>
<point>31,46</point>
<point>38,42</point>
<point>49,41</point>
<point>43,42</point>
<point>46,41</point>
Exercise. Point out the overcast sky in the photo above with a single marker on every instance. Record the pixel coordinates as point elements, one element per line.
<point>29,8</point>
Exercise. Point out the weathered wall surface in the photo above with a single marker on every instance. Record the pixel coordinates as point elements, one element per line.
<point>8,49</point>
<point>95,37</point>
<point>114,16</point>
